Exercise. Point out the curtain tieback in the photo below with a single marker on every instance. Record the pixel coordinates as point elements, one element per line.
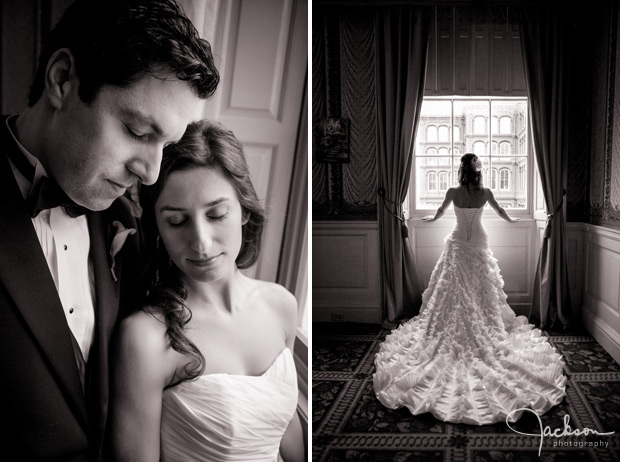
<point>399,215</point>
<point>550,216</point>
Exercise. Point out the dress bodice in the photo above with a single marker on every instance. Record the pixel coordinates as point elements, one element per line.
<point>469,226</point>
<point>224,417</point>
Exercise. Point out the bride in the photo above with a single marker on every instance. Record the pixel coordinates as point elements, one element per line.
<point>467,358</point>
<point>205,371</point>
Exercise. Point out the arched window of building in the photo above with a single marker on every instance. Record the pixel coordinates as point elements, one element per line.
<point>443,181</point>
<point>444,135</point>
<point>494,125</point>
<point>494,147</point>
<point>431,133</point>
<point>431,181</point>
<point>457,133</point>
<point>505,125</point>
<point>504,178</point>
<point>443,152</point>
<point>457,152</point>
<point>479,148</point>
<point>494,178</point>
<point>504,148</point>
<point>480,125</point>
<point>431,151</point>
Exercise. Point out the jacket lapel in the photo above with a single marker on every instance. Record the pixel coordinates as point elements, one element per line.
<point>106,312</point>
<point>23,269</point>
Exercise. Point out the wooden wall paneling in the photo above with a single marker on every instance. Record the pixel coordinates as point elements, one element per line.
<point>474,51</point>
<point>498,75</point>
<point>346,272</point>
<point>601,305</point>
<point>515,70</point>
<point>445,51</point>
<point>462,50</point>
<point>480,64</point>
<point>430,83</point>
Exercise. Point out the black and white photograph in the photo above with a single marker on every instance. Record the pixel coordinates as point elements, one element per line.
<point>466,259</point>
<point>154,230</point>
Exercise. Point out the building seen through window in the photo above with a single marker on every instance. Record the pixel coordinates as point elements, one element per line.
<point>495,129</point>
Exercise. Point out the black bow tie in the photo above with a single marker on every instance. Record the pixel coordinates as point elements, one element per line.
<point>47,194</point>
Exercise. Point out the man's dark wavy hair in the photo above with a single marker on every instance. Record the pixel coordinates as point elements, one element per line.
<point>117,42</point>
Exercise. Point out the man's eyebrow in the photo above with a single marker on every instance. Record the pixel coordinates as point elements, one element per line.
<point>142,119</point>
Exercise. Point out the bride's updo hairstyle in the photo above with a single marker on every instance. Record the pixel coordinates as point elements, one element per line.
<point>204,144</point>
<point>467,171</point>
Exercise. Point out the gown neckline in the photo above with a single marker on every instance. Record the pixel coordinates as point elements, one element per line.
<point>225,374</point>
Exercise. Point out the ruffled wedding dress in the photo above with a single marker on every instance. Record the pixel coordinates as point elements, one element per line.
<point>467,358</point>
<point>224,417</point>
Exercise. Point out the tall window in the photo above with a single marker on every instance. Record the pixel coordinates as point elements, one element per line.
<point>431,133</point>
<point>443,181</point>
<point>504,179</point>
<point>431,181</point>
<point>505,125</point>
<point>493,184</point>
<point>495,129</point>
<point>444,133</point>
<point>480,125</point>
<point>479,148</point>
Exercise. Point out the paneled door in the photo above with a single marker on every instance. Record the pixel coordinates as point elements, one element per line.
<point>261,52</point>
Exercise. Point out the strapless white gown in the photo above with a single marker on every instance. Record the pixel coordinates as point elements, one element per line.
<point>223,417</point>
<point>467,358</point>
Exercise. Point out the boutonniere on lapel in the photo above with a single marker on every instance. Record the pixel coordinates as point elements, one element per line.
<point>119,239</point>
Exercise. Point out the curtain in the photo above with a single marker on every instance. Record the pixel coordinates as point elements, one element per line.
<point>401,36</point>
<point>544,30</point>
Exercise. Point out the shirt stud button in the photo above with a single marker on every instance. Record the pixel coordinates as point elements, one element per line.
<point>65,246</point>
<point>71,310</point>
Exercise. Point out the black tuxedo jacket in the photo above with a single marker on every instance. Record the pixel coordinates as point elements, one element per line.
<point>44,412</point>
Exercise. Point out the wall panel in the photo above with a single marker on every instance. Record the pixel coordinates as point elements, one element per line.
<point>346,272</point>
<point>601,275</point>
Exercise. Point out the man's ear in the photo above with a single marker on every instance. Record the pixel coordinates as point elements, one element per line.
<point>60,78</point>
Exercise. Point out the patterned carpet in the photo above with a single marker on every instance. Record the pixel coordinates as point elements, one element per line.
<point>349,423</point>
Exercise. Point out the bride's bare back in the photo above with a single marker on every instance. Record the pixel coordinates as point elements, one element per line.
<point>469,198</point>
<point>464,198</point>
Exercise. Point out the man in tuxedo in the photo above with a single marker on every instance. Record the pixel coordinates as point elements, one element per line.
<point>116,82</point>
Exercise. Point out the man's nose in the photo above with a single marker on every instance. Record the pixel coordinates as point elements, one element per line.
<point>146,164</point>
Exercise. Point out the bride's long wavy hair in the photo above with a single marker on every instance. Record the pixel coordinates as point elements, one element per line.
<point>467,172</point>
<point>204,144</point>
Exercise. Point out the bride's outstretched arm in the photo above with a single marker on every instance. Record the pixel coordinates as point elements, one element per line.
<point>498,208</point>
<point>442,208</point>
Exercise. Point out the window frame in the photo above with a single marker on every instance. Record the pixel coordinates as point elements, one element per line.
<point>524,213</point>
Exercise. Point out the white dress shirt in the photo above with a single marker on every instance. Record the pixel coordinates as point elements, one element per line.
<point>65,242</point>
